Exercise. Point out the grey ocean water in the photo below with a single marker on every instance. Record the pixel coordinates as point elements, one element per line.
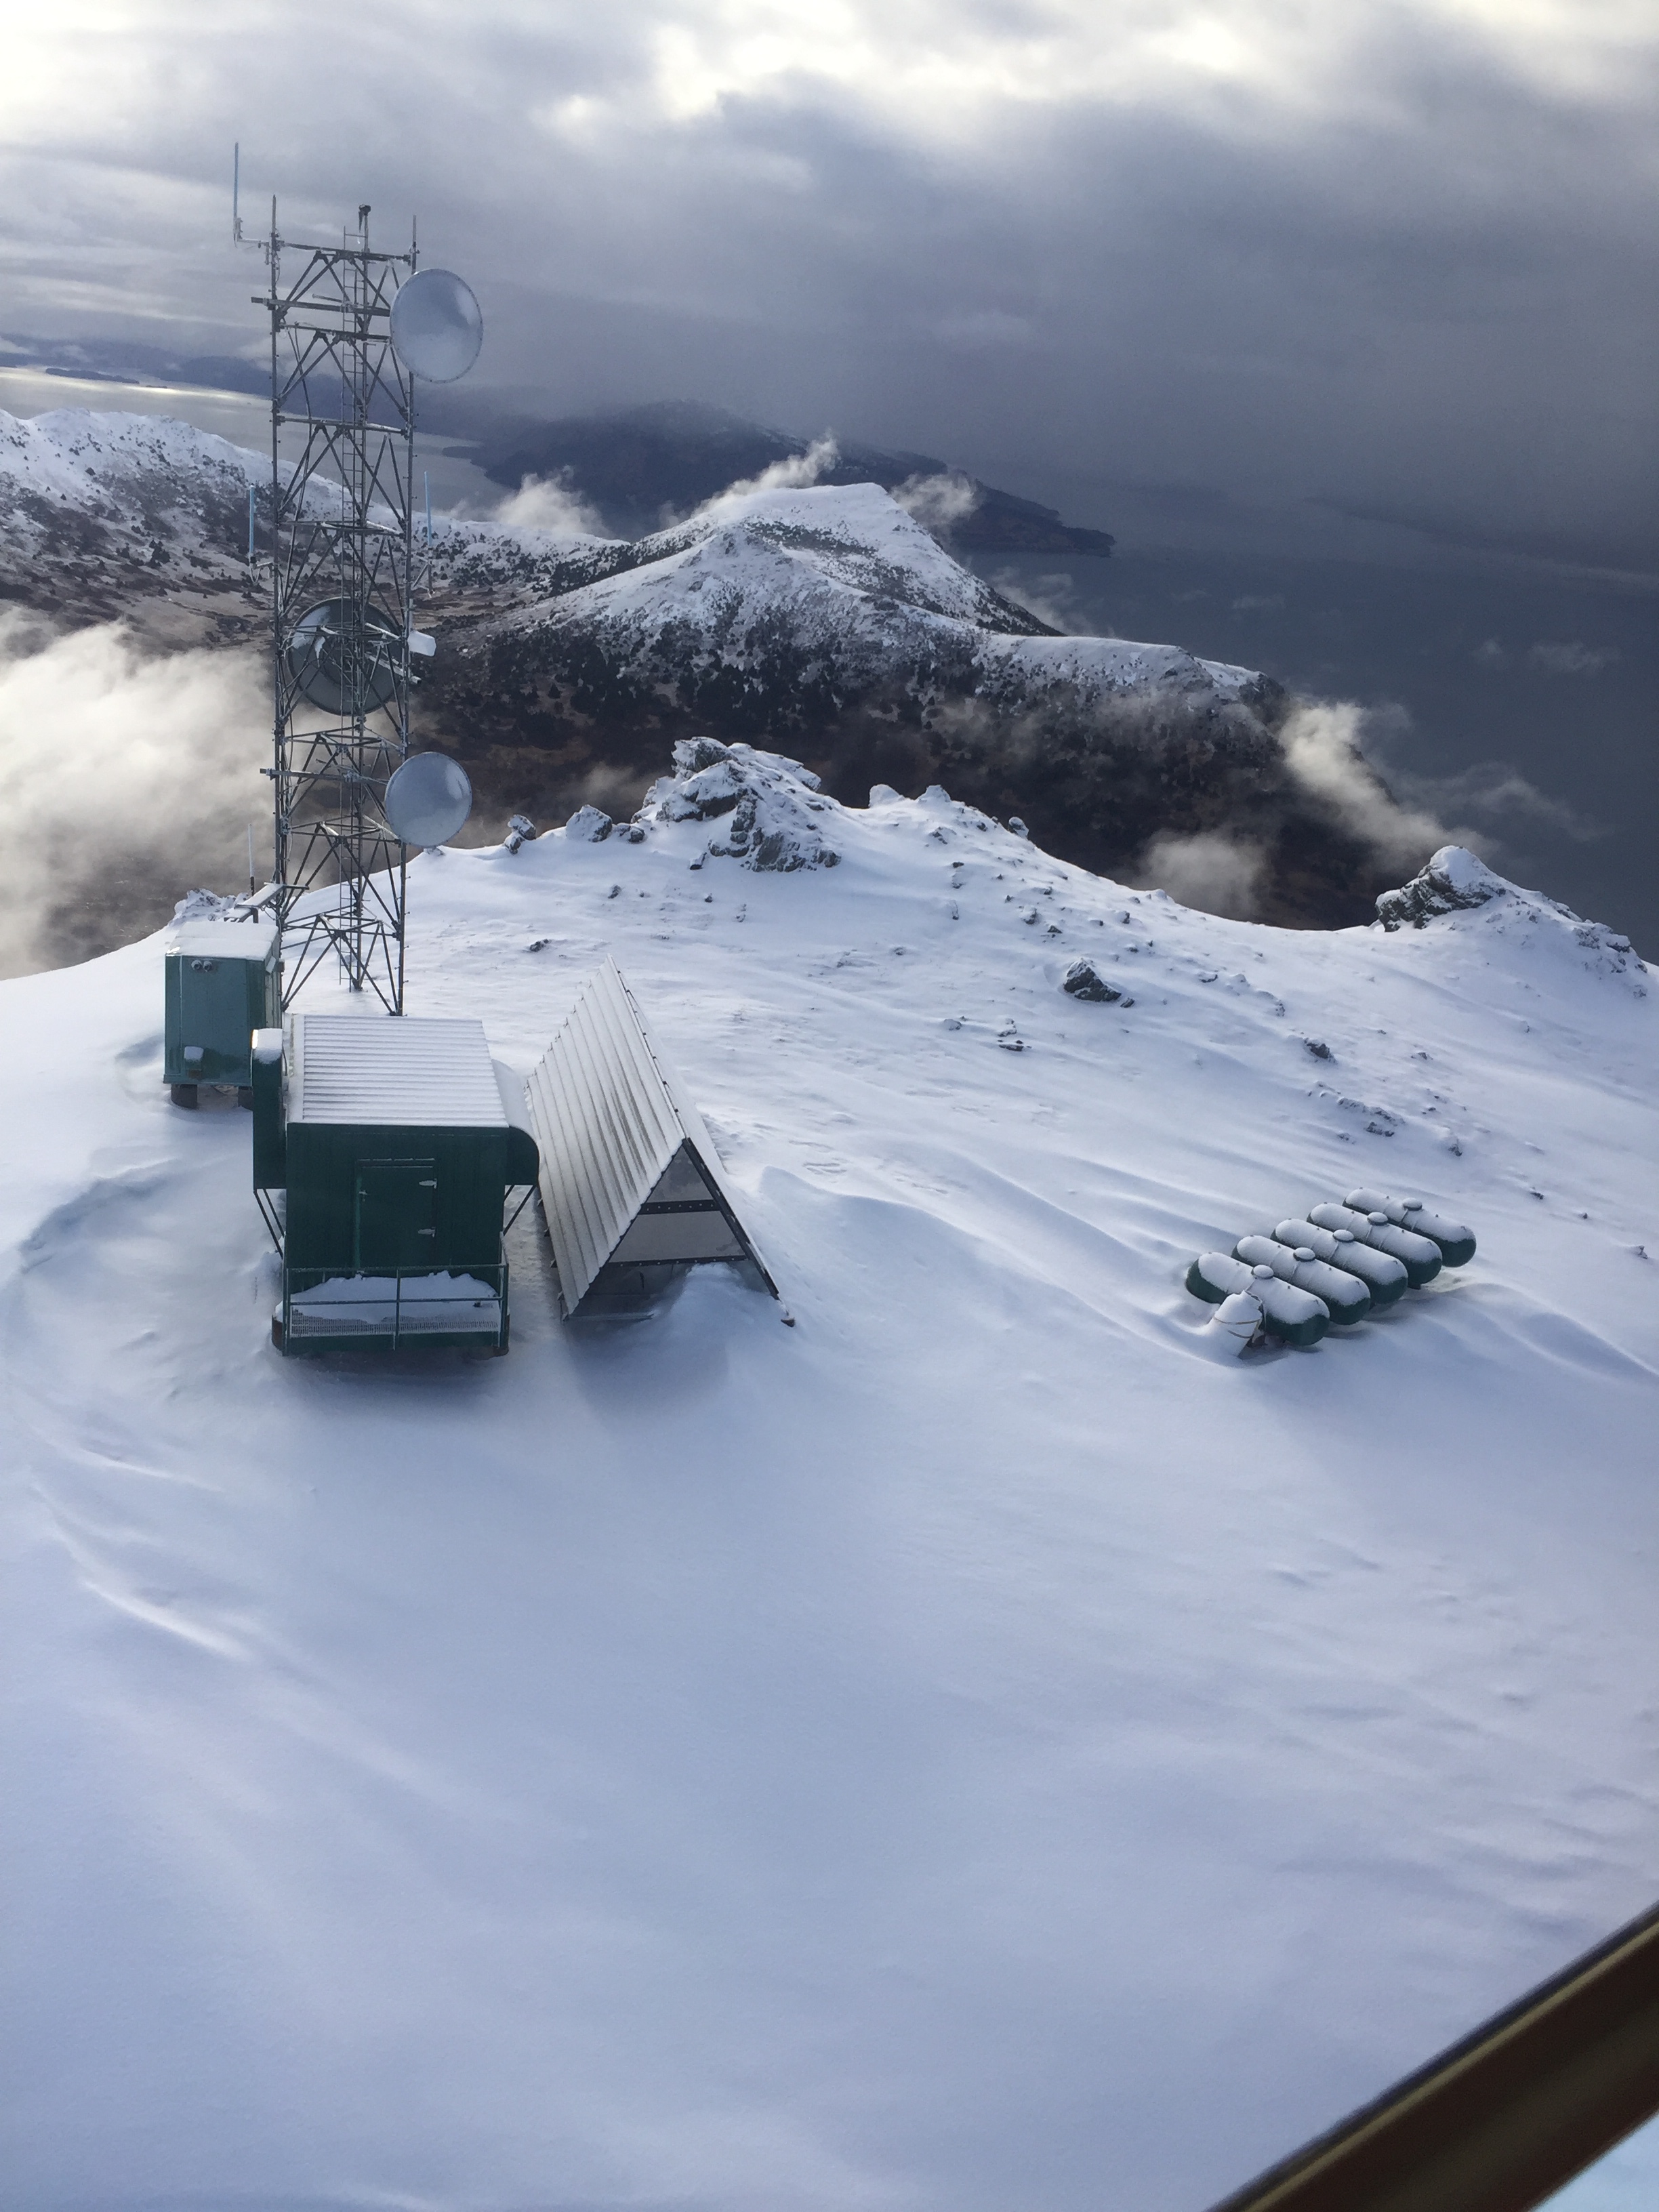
<point>1511,696</point>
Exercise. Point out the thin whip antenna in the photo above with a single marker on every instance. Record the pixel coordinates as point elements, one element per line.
<point>236,195</point>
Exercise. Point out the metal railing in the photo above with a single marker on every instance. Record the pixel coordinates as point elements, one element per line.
<point>391,1306</point>
<point>1507,2116</point>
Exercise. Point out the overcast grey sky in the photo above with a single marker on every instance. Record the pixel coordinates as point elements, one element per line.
<point>1398,257</point>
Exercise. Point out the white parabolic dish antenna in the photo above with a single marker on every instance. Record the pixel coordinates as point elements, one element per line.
<point>437,326</point>
<point>426,799</point>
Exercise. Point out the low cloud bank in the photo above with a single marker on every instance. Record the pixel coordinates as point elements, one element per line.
<point>1392,821</point>
<point>1213,871</point>
<point>795,472</point>
<point>1227,871</point>
<point>1320,740</point>
<point>938,502</point>
<point>1052,598</point>
<point>129,777</point>
<point>550,503</point>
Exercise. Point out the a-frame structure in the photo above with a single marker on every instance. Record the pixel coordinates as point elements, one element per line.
<point>631,1185</point>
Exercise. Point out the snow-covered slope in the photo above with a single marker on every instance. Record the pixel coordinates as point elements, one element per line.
<point>130,461</point>
<point>105,516</point>
<point>968,1749</point>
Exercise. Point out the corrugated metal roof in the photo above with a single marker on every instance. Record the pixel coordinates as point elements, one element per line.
<point>609,1119</point>
<point>403,1072</point>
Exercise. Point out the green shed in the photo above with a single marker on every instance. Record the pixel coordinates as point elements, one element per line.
<point>395,1142</point>
<point>223,981</point>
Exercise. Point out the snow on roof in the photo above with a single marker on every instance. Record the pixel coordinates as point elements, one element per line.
<point>208,938</point>
<point>405,1073</point>
<point>608,1119</point>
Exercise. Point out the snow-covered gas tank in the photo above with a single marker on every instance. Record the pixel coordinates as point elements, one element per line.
<point>1457,1241</point>
<point>1383,1277</point>
<point>1294,1315</point>
<point>1233,1326</point>
<point>1346,1295</point>
<point>1421,1258</point>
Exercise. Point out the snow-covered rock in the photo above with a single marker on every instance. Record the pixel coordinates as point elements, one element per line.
<point>775,809</point>
<point>589,826</point>
<point>1083,979</point>
<point>1455,882</point>
<point>1451,882</point>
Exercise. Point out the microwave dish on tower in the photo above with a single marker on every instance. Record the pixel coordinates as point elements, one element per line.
<point>428,800</point>
<point>318,654</point>
<point>437,326</point>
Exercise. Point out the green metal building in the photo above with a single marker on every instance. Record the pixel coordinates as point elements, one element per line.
<point>223,980</point>
<point>384,1150</point>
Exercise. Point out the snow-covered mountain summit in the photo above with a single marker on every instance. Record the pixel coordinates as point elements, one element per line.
<point>840,576</point>
<point>966,1747</point>
<point>822,619</point>
<point>826,619</point>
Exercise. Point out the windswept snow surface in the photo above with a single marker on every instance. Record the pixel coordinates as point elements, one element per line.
<point>969,1750</point>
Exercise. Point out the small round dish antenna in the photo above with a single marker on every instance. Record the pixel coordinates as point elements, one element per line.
<point>437,326</point>
<point>426,799</point>
<point>345,660</point>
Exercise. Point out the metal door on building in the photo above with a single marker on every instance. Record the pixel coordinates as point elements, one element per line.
<point>215,1015</point>
<point>217,990</point>
<point>396,1216</point>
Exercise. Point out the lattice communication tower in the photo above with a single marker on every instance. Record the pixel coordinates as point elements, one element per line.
<point>343,596</point>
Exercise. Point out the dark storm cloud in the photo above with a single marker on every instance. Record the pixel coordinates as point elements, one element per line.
<point>1395,258</point>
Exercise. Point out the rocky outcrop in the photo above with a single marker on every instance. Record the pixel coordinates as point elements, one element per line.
<point>1455,889</point>
<point>1452,882</point>
<point>772,819</point>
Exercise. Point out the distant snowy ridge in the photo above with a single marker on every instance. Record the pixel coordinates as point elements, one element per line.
<point>827,621</point>
<point>822,620</point>
<point>105,517</point>
<point>839,578</point>
<point>85,457</point>
<point>841,575</point>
